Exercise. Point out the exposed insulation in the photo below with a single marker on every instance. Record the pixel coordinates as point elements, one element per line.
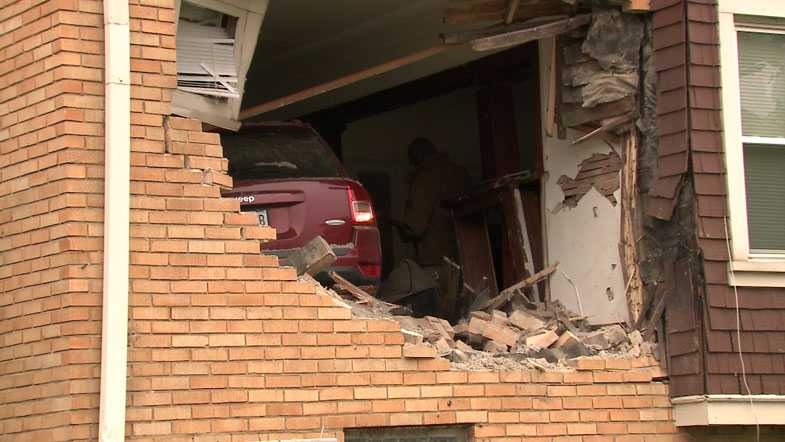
<point>600,73</point>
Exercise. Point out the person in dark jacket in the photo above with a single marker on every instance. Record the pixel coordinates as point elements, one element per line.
<point>435,179</point>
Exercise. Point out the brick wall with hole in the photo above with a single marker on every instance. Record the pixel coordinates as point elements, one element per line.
<point>224,345</point>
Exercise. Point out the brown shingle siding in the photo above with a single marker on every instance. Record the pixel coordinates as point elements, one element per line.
<point>761,309</point>
<point>668,15</point>
<point>668,36</point>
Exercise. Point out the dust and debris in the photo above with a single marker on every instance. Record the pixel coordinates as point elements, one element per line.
<point>521,338</point>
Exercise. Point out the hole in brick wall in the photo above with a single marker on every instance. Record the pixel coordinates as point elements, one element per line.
<point>422,153</point>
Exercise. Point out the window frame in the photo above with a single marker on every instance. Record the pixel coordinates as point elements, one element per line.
<point>771,266</point>
<point>249,14</point>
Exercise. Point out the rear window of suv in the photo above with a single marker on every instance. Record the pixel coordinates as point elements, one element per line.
<point>280,152</point>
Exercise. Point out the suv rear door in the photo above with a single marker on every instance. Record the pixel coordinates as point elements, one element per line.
<point>289,176</point>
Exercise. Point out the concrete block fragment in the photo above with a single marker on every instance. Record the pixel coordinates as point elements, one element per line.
<point>542,340</point>
<point>418,351</point>
<point>525,320</point>
<point>313,257</point>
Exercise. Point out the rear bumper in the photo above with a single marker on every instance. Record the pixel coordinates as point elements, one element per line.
<point>353,261</point>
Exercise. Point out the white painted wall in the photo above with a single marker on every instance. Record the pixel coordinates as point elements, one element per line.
<point>379,143</point>
<point>585,238</point>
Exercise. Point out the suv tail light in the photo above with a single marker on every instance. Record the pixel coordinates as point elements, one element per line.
<point>371,270</point>
<point>362,210</point>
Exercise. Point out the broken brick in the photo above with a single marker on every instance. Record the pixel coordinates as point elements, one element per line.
<point>542,340</point>
<point>418,351</point>
<point>502,335</point>
<point>525,320</point>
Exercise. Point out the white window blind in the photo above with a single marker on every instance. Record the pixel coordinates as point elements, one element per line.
<point>206,62</point>
<point>762,91</point>
<point>762,82</point>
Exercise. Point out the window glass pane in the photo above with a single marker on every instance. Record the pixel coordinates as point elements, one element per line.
<point>762,83</point>
<point>285,152</point>
<point>764,170</point>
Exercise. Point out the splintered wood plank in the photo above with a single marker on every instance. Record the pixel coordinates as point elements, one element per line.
<point>355,291</point>
<point>457,37</point>
<point>607,125</point>
<point>475,250</point>
<point>575,115</point>
<point>522,230</point>
<point>511,11</point>
<point>526,35</point>
<point>506,295</point>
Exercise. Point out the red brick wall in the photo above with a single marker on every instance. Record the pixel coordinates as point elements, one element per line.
<point>224,342</point>
<point>50,218</point>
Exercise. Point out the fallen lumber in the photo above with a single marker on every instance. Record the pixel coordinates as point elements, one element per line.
<point>352,289</point>
<point>506,295</point>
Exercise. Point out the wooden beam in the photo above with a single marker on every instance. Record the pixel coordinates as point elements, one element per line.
<point>457,37</point>
<point>550,112</point>
<point>526,35</point>
<point>497,10</point>
<point>511,11</point>
<point>341,82</point>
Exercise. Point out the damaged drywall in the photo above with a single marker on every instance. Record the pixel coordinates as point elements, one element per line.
<point>600,172</point>
<point>583,237</point>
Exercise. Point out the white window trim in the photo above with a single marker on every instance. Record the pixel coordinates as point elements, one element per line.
<point>749,268</point>
<point>250,14</point>
<point>728,409</point>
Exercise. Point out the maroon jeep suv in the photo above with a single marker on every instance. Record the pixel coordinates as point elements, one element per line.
<point>289,176</point>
